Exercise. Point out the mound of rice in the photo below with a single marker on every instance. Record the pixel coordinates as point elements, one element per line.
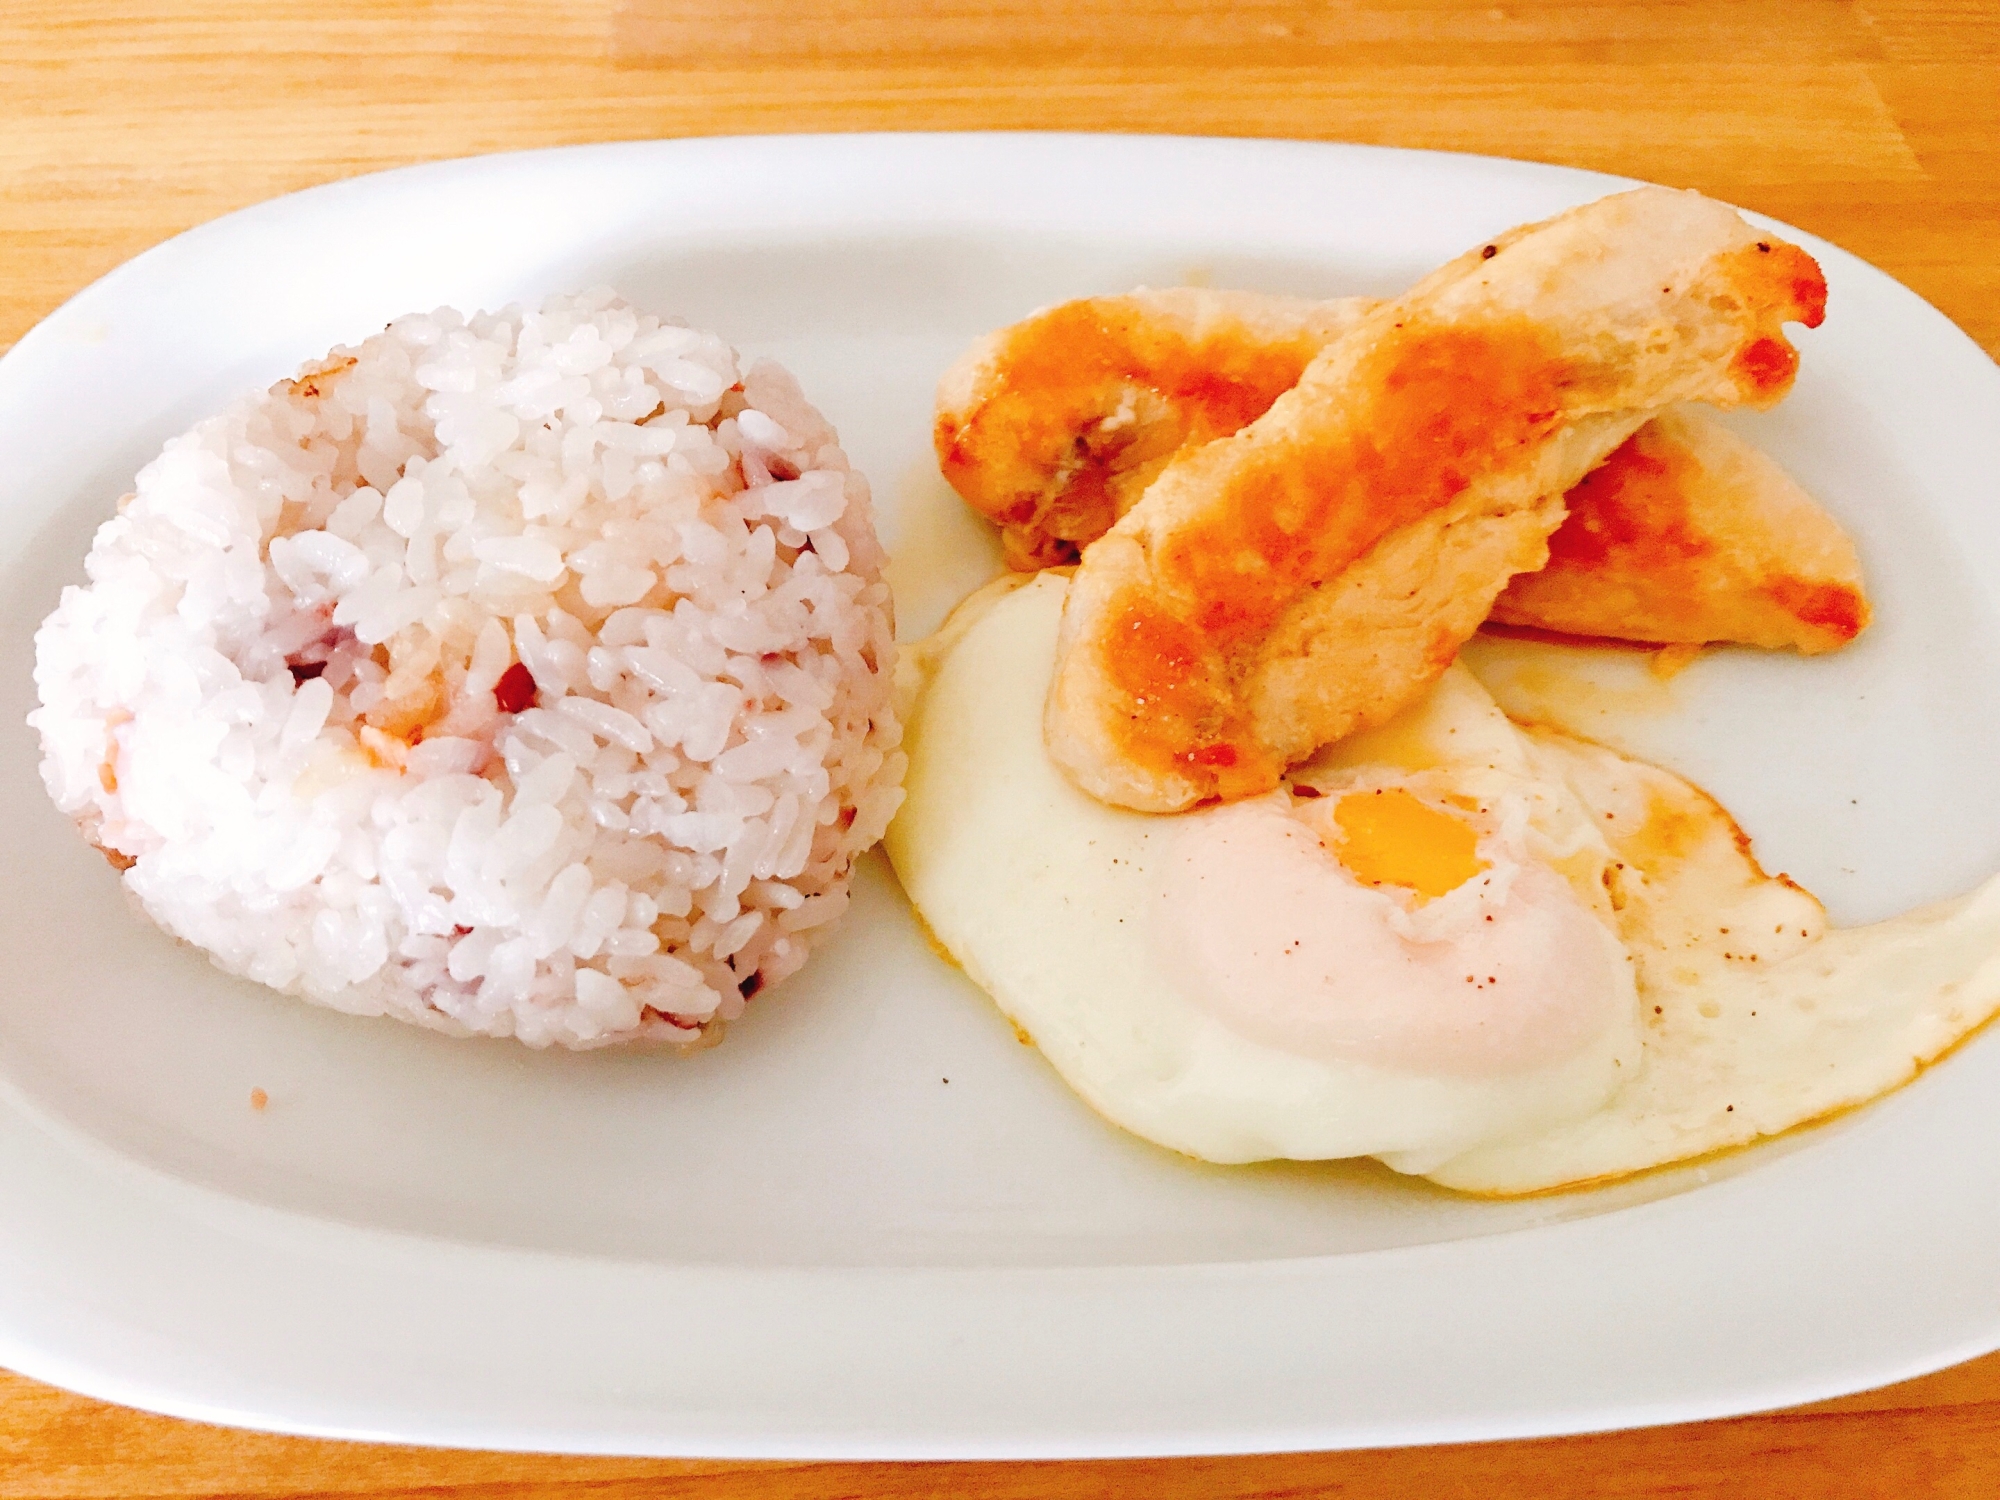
<point>522,675</point>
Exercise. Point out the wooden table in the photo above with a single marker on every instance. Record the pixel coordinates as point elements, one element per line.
<point>1876,124</point>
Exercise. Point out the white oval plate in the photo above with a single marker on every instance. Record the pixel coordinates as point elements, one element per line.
<point>808,1241</point>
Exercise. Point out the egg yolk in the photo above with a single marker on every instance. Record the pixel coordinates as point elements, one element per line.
<point>1389,837</point>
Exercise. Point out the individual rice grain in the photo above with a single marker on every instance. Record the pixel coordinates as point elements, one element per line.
<point>525,674</point>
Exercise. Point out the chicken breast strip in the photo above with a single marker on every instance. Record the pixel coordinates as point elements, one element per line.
<point>1306,577</point>
<point>1686,534</point>
<point>1053,427</point>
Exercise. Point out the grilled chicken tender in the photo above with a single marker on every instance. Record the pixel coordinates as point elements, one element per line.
<point>1053,427</point>
<point>1687,534</point>
<point>1684,535</point>
<point>1278,589</point>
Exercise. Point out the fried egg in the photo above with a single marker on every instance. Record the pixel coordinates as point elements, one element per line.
<point>1501,958</point>
<point>1220,983</point>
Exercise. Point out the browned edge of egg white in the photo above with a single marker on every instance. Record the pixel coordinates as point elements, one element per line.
<point>1812,1122</point>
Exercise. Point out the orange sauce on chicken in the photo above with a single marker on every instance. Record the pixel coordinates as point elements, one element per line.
<point>1442,406</point>
<point>1780,278</point>
<point>1227,381</point>
<point>1635,505</point>
<point>1833,607</point>
<point>1068,371</point>
<point>1428,411</point>
<point>1180,713</point>
<point>1634,514</point>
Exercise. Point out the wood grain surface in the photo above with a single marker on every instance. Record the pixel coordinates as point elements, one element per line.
<point>1875,124</point>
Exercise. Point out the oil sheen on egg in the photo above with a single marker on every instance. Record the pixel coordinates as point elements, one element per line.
<point>1221,981</point>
